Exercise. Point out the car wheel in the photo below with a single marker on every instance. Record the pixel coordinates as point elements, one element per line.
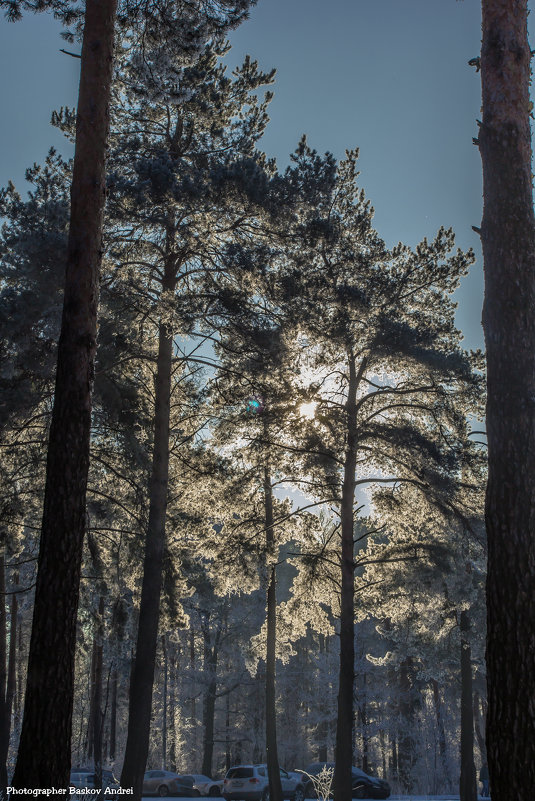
<point>359,791</point>
<point>163,790</point>
<point>265,794</point>
<point>299,794</point>
<point>309,790</point>
<point>214,791</point>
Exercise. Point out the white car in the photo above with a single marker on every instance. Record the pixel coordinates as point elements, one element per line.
<point>205,785</point>
<point>250,783</point>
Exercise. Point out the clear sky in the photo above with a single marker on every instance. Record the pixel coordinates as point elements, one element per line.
<point>387,76</point>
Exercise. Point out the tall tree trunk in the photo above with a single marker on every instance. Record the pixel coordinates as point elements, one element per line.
<point>467,783</point>
<point>259,708</point>
<point>323,727</point>
<point>275,787</point>
<point>90,734</point>
<point>98,714</point>
<point>478,727</point>
<point>172,713</point>
<point>346,679</point>
<point>7,678</point>
<point>4,723</point>
<point>141,685</point>
<point>165,681</point>
<point>227,732</point>
<point>113,714</point>
<point>508,240</point>
<point>364,723</point>
<point>44,755</point>
<point>193,704</point>
<point>209,711</point>
<point>406,745</point>
<point>441,732</point>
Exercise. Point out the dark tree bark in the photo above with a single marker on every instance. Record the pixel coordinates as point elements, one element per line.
<point>346,677</point>
<point>508,240</point>
<point>113,714</point>
<point>141,684</point>
<point>467,783</point>
<point>44,757</point>
<point>275,787</point>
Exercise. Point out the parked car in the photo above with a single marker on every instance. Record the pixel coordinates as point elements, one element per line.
<point>250,783</point>
<point>83,779</point>
<point>205,785</point>
<point>363,785</point>
<point>163,782</point>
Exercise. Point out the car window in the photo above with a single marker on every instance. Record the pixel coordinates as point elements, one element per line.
<point>157,774</point>
<point>261,771</point>
<point>284,774</point>
<point>357,772</point>
<point>240,773</point>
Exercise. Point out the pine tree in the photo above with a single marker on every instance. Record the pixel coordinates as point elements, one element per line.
<point>53,633</point>
<point>385,371</point>
<point>184,168</point>
<point>507,236</point>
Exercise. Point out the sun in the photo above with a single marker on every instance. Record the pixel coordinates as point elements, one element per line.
<point>308,410</point>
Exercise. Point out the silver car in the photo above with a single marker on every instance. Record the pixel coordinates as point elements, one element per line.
<point>205,785</point>
<point>164,782</point>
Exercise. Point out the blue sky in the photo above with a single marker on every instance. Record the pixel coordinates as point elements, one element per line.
<point>387,76</point>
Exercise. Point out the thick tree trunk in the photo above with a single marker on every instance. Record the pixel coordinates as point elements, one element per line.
<point>44,755</point>
<point>141,684</point>
<point>346,680</point>
<point>467,783</point>
<point>275,787</point>
<point>508,239</point>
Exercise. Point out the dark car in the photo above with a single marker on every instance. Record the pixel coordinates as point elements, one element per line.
<point>363,785</point>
